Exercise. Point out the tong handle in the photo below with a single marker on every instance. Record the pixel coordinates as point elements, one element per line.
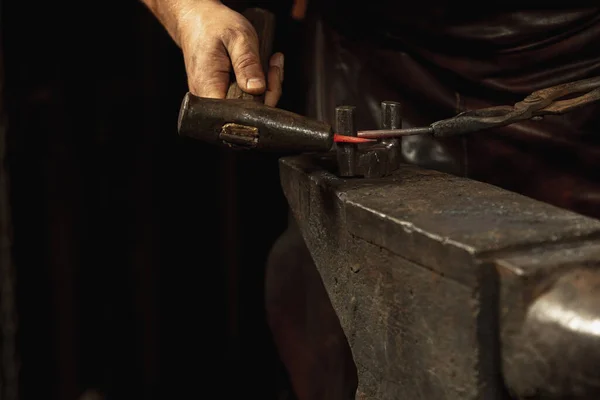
<point>547,101</point>
<point>565,89</point>
<point>539,103</point>
<point>564,106</point>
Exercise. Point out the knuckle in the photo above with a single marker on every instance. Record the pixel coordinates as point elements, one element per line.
<point>203,55</point>
<point>241,41</point>
<point>229,34</point>
<point>245,60</point>
<point>238,33</point>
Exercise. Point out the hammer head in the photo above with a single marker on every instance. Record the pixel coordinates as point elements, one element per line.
<point>251,125</point>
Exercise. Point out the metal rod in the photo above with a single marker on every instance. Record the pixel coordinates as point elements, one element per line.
<point>391,133</point>
<point>350,139</point>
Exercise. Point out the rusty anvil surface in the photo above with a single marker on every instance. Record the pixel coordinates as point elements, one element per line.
<point>448,288</point>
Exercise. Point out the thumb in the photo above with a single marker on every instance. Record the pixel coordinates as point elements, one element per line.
<point>243,51</point>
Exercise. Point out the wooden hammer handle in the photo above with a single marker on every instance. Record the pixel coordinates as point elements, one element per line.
<point>264,23</point>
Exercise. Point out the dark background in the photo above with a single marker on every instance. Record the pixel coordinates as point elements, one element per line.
<point>140,255</point>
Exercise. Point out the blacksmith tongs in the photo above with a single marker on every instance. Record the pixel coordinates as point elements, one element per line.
<point>539,103</point>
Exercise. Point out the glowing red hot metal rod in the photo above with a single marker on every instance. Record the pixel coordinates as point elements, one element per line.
<point>350,139</point>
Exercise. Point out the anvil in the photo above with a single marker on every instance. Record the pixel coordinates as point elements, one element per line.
<point>449,288</point>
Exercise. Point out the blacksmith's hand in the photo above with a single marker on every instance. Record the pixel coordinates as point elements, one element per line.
<point>214,39</point>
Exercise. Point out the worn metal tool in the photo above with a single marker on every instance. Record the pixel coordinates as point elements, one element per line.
<point>536,105</point>
<point>243,124</point>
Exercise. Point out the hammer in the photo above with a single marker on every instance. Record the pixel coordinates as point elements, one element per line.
<point>243,121</point>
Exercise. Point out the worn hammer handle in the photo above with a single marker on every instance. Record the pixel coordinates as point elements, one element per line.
<point>264,24</point>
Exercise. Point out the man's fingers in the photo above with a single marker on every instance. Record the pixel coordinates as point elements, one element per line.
<point>242,45</point>
<point>275,80</point>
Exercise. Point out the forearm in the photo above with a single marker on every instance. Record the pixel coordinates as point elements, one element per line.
<point>171,13</point>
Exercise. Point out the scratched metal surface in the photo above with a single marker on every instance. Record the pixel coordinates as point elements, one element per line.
<point>408,263</point>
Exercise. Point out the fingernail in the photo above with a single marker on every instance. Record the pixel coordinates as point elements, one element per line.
<point>279,60</point>
<point>255,83</point>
